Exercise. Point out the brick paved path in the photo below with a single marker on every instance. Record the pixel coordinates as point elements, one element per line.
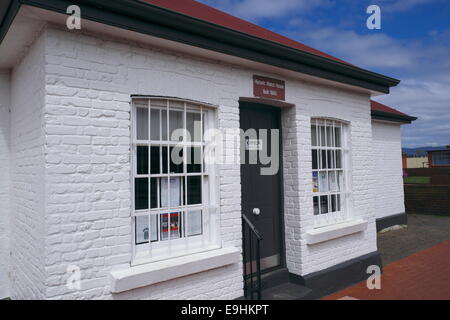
<point>423,275</point>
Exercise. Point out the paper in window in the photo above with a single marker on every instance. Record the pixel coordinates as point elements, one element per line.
<point>172,225</point>
<point>333,178</point>
<point>323,183</point>
<point>175,192</point>
<point>315,178</point>
<point>141,229</point>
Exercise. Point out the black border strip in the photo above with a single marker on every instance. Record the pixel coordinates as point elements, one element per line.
<point>389,221</point>
<point>337,277</point>
<point>8,11</point>
<point>155,21</point>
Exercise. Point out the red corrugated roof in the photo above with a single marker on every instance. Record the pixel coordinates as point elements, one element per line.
<point>384,108</point>
<point>206,13</point>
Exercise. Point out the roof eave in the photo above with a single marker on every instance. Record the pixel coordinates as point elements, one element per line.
<point>386,116</point>
<point>156,21</point>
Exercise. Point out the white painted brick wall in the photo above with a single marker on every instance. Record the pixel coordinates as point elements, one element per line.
<point>387,156</point>
<point>315,101</point>
<point>88,83</point>
<point>5,105</point>
<point>27,175</point>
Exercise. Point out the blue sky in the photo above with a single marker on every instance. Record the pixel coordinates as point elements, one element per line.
<point>413,45</point>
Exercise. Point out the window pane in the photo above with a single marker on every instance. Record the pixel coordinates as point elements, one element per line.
<point>333,203</point>
<point>141,193</point>
<point>323,159</point>
<point>155,159</point>
<point>322,135</point>
<point>164,159</point>
<point>329,140</point>
<point>141,124</point>
<point>338,159</point>
<point>154,193</point>
<point>194,159</point>
<point>330,159</point>
<point>142,159</point>
<point>314,135</point>
<point>193,126</point>
<point>337,136</point>
<point>176,122</point>
<point>323,204</point>
<point>323,183</point>
<point>194,223</point>
<point>339,176</point>
<point>334,182</point>
<point>315,181</point>
<point>164,124</point>
<point>142,229</point>
<point>176,186</point>
<point>194,190</point>
<point>176,159</point>
<point>173,226</point>
<point>155,124</point>
<point>314,159</point>
<point>316,205</point>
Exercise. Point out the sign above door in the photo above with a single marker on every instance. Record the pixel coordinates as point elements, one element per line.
<point>268,88</point>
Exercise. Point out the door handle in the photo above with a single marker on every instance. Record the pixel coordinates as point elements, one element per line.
<point>256,211</point>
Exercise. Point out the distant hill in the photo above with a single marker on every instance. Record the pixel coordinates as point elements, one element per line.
<point>421,151</point>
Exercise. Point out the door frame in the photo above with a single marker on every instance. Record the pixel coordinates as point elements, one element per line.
<point>278,110</point>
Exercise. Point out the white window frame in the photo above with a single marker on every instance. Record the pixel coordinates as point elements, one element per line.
<point>344,213</point>
<point>210,237</point>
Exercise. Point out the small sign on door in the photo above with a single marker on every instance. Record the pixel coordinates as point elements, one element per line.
<point>253,144</point>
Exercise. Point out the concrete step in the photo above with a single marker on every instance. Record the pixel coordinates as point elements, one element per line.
<point>286,291</point>
<point>276,286</point>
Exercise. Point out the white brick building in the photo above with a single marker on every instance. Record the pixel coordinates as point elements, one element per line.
<point>85,192</point>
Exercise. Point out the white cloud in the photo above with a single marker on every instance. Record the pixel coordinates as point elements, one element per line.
<point>254,10</point>
<point>370,51</point>
<point>393,6</point>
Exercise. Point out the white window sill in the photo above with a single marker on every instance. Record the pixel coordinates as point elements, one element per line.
<point>335,231</point>
<point>151,273</point>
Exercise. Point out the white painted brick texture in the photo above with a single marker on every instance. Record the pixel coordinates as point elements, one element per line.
<point>27,186</point>
<point>5,105</point>
<point>89,82</point>
<point>387,156</point>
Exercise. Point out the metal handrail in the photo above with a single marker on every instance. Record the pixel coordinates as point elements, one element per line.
<point>252,227</point>
<point>249,291</point>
